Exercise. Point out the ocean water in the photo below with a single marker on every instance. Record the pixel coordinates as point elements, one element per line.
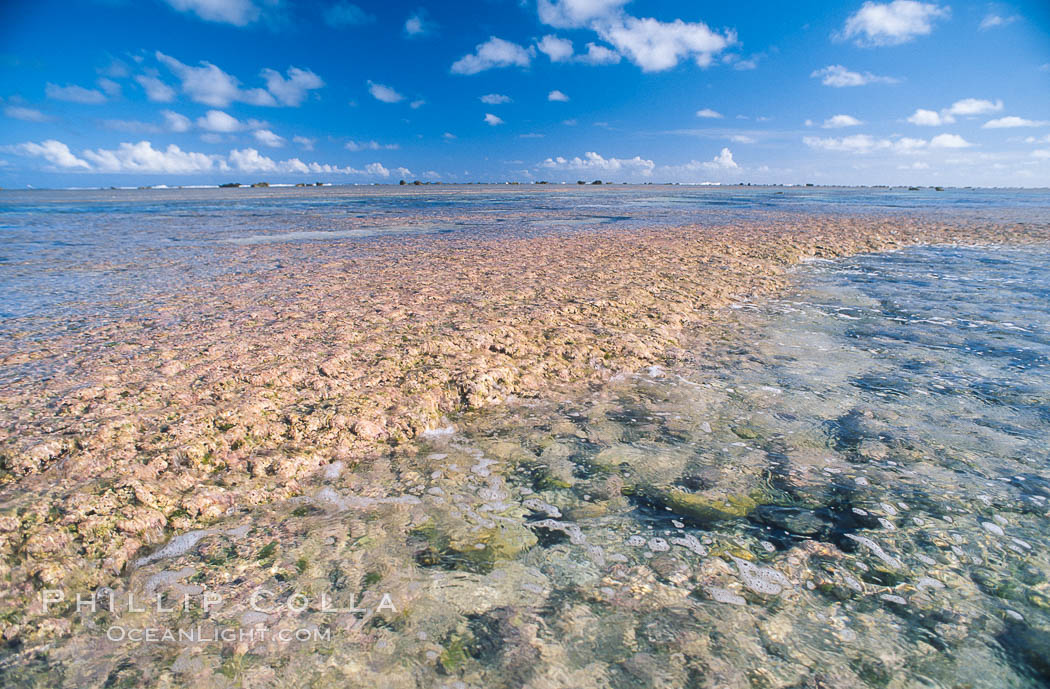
<point>84,256</point>
<point>847,486</point>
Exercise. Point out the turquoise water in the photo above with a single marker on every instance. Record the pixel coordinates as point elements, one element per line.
<point>846,486</point>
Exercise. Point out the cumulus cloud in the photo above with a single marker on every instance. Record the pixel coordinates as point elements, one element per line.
<point>210,85</point>
<point>974,106</point>
<point>236,12</point>
<point>949,141</point>
<point>557,96</point>
<point>54,152</point>
<point>709,113</point>
<point>384,93</point>
<point>492,120</point>
<point>570,14</point>
<point>864,143</point>
<point>1013,121</point>
<point>346,14</point>
<point>494,52</point>
<point>962,108</point>
<point>656,46</point>
<point>900,21</point>
<point>598,55</point>
<point>142,157</point>
<point>494,99</point>
<point>19,112</point>
<point>293,89</point>
<point>722,161</point>
<point>219,122</point>
<point>838,121</point>
<point>306,143</point>
<point>839,77</point>
<point>649,43</point>
<point>929,118</point>
<point>268,138</point>
<point>175,122</point>
<point>156,90</point>
<point>557,49</point>
<point>377,169</point>
<point>594,161</point>
<point>75,94</point>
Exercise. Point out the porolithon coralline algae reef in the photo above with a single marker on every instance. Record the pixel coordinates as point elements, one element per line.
<point>606,459</point>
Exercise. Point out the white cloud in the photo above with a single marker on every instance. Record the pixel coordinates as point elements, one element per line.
<point>893,23</point>
<point>742,139</point>
<point>992,20</point>
<point>236,12</point>
<point>1039,140</point>
<point>599,55</point>
<point>54,152</point>
<point>210,85</point>
<point>709,113</point>
<point>492,120</point>
<point>494,52</point>
<point>306,143</point>
<point>111,87</point>
<point>369,146</point>
<point>417,104</point>
<point>346,14</point>
<point>594,161</point>
<point>219,122</point>
<point>929,118</point>
<point>557,49</point>
<point>1043,153</point>
<point>268,138</point>
<point>864,143</point>
<point>839,77</point>
<point>156,90</point>
<point>19,112</point>
<point>569,14</point>
<point>949,141</point>
<point>655,46</point>
<point>974,106</point>
<point>557,96</point>
<point>448,136</point>
<point>377,169</point>
<point>291,91</point>
<point>494,98</point>
<point>141,157</point>
<point>841,121</point>
<point>1013,121</point>
<point>418,24</point>
<point>175,122</point>
<point>384,93</point>
<point>75,94</point>
<point>722,161</point>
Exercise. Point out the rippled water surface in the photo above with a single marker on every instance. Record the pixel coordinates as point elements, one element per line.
<point>847,488</point>
<point>91,255</point>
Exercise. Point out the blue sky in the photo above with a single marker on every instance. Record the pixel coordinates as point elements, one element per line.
<point>112,92</point>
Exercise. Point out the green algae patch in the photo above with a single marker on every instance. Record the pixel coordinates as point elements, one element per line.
<point>708,509</point>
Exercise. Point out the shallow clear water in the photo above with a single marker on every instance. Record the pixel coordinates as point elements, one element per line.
<point>847,487</point>
<point>83,256</point>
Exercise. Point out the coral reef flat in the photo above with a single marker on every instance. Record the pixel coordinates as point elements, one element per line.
<point>315,423</point>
